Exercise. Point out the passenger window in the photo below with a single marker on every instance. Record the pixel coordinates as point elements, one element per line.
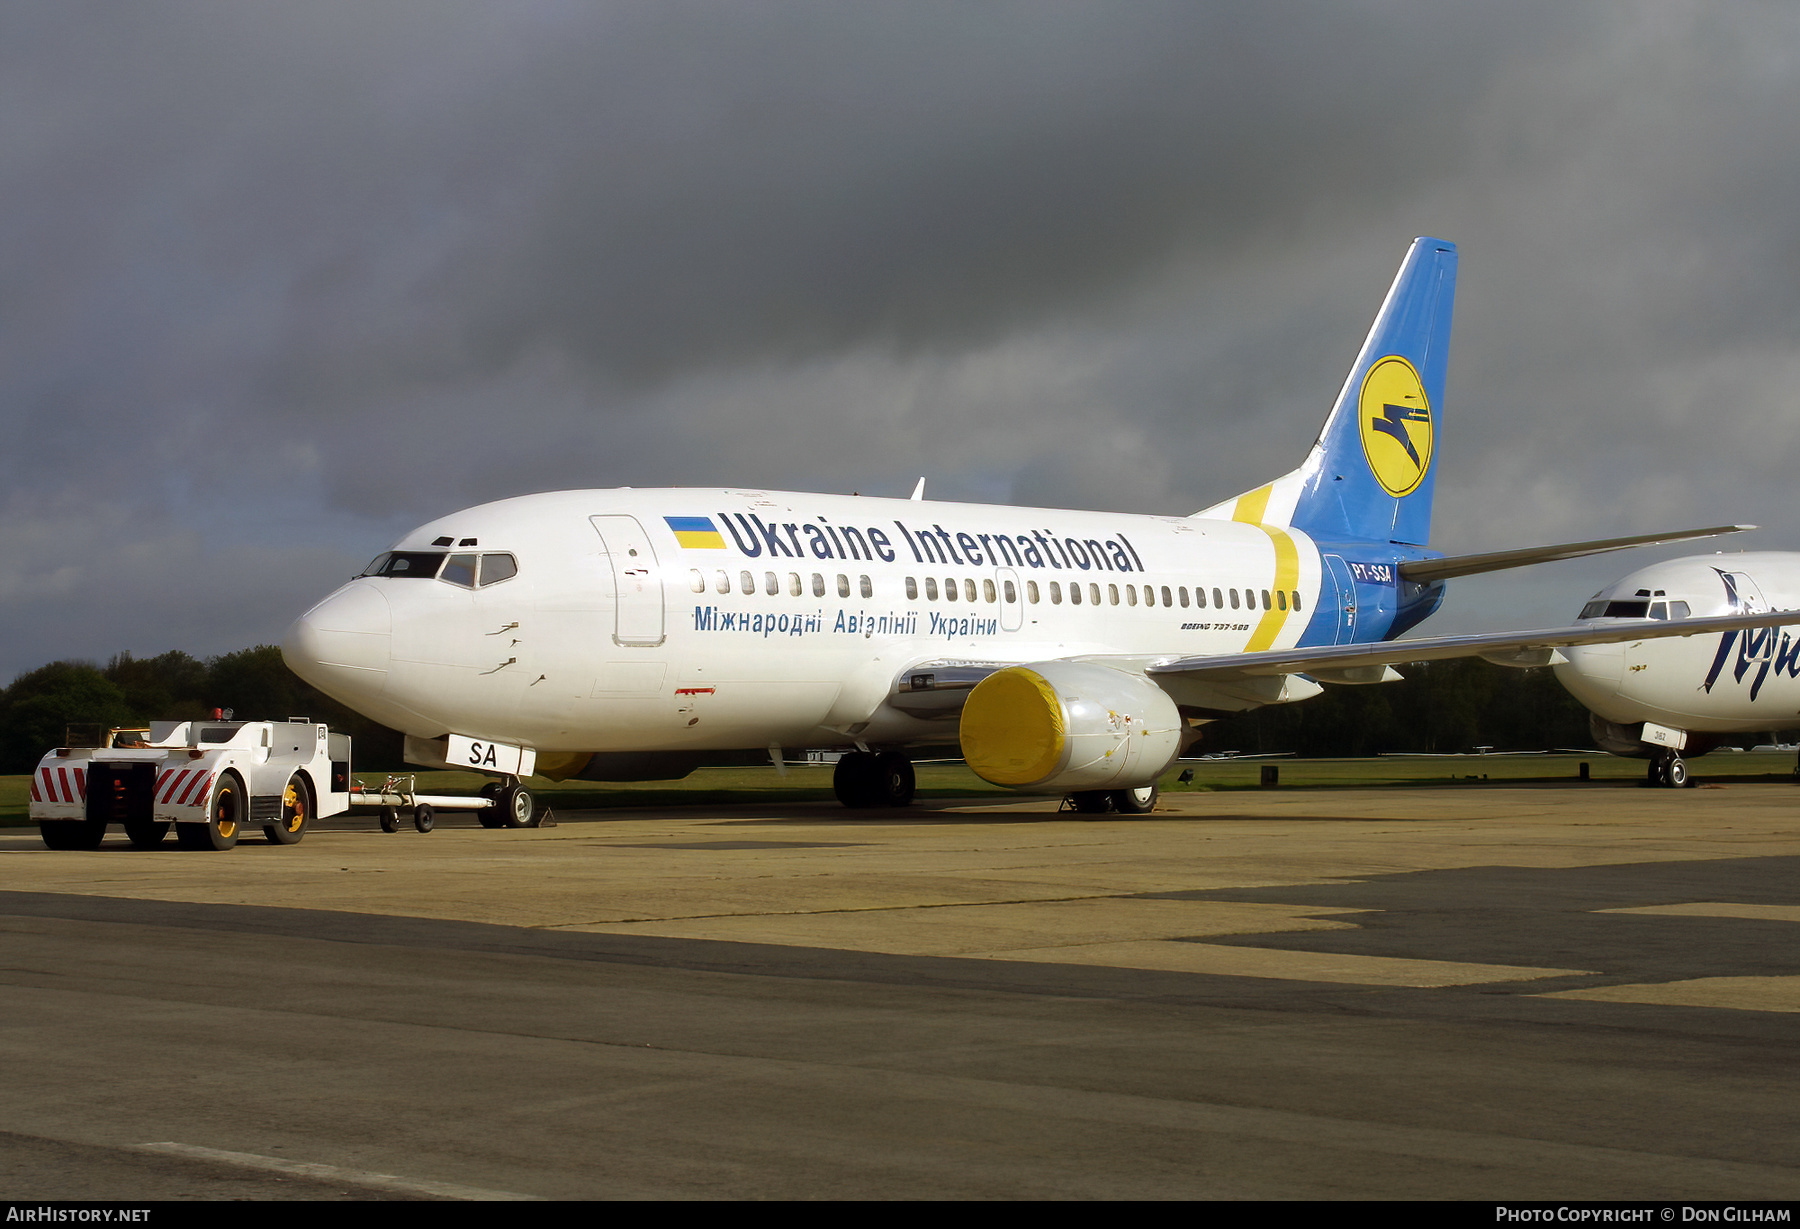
<point>746,582</point>
<point>771,584</point>
<point>794,587</point>
<point>843,585</point>
<point>1055,593</point>
<point>1296,599</point>
<point>1031,591</point>
<point>1266,605</point>
<point>1166,600</point>
<point>931,588</point>
<point>1184,599</point>
<point>1200,597</point>
<point>1112,594</point>
<point>1281,598</point>
<point>697,580</point>
<point>496,568</point>
<point>722,582</point>
<point>1012,593</point>
<point>1131,595</point>
<point>1094,593</point>
<point>987,590</point>
<point>949,589</point>
<point>1219,599</point>
<point>969,590</point>
<point>818,585</point>
<point>866,587</point>
<point>1234,599</point>
<point>912,589</point>
<point>1074,595</point>
<point>460,570</point>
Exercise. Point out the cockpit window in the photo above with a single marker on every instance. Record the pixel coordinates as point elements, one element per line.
<point>1600,608</point>
<point>408,564</point>
<point>460,571</point>
<point>464,570</point>
<point>496,568</point>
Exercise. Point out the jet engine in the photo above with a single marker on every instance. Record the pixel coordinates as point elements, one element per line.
<point>1064,726</point>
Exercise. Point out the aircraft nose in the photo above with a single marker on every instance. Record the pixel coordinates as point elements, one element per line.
<point>342,645</point>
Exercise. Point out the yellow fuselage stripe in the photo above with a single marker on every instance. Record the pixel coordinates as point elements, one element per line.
<point>1250,509</point>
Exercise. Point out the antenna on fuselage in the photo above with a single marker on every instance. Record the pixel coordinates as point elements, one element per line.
<point>919,491</point>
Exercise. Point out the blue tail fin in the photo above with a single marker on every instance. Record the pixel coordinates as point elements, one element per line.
<point>1370,475</point>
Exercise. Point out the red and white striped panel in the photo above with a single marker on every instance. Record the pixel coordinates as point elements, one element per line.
<point>59,784</point>
<point>182,787</point>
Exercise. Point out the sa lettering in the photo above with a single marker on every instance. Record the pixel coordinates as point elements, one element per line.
<point>479,758</point>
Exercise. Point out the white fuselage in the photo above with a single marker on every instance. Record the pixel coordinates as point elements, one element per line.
<point>788,619</point>
<point>1734,682</point>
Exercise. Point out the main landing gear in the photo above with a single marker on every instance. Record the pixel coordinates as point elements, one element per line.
<point>869,779</point>
<point>1668,769</point>
<point>1121,801</point>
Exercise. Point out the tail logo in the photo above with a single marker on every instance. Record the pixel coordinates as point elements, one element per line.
<point>1396,425</point>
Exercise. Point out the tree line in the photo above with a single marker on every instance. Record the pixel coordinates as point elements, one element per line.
<point>39,706</point>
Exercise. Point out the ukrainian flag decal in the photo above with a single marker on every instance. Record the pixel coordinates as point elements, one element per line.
<point>696,532</point>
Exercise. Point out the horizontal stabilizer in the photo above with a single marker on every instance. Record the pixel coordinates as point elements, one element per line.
<point>1426,570</point>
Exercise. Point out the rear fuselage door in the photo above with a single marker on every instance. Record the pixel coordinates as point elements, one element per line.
<point>1339,576</point>
<point>637,580</point>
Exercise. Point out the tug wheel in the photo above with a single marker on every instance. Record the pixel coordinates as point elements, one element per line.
<point>296,811</point>
<point>146,833</point>
<point>224,818</point>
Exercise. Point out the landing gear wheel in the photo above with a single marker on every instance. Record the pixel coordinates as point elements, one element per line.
<point>423,819</point>
<point>894,779</point>
<point>1135,801</point>
<point>390,819</point>
<point>224,818</point>
<point>146,833</point>
<point>1092,802</point>
<point>296,810</point>
<point>492,816</point>
<point>1654,775</point>
<point>71,833</point>
<point>857,780</point>
<point>517,807</point>
<point>1676,773</point>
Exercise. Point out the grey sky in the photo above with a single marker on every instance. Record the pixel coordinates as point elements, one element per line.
<point>278,282</point>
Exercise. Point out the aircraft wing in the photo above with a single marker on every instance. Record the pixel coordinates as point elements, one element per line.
<point>1368,663</point>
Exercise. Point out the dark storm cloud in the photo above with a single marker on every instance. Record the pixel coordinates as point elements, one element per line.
<point>277,281</point>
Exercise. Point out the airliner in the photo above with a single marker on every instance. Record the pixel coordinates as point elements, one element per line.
<point>637,634</point>
<point>1664,698</point>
